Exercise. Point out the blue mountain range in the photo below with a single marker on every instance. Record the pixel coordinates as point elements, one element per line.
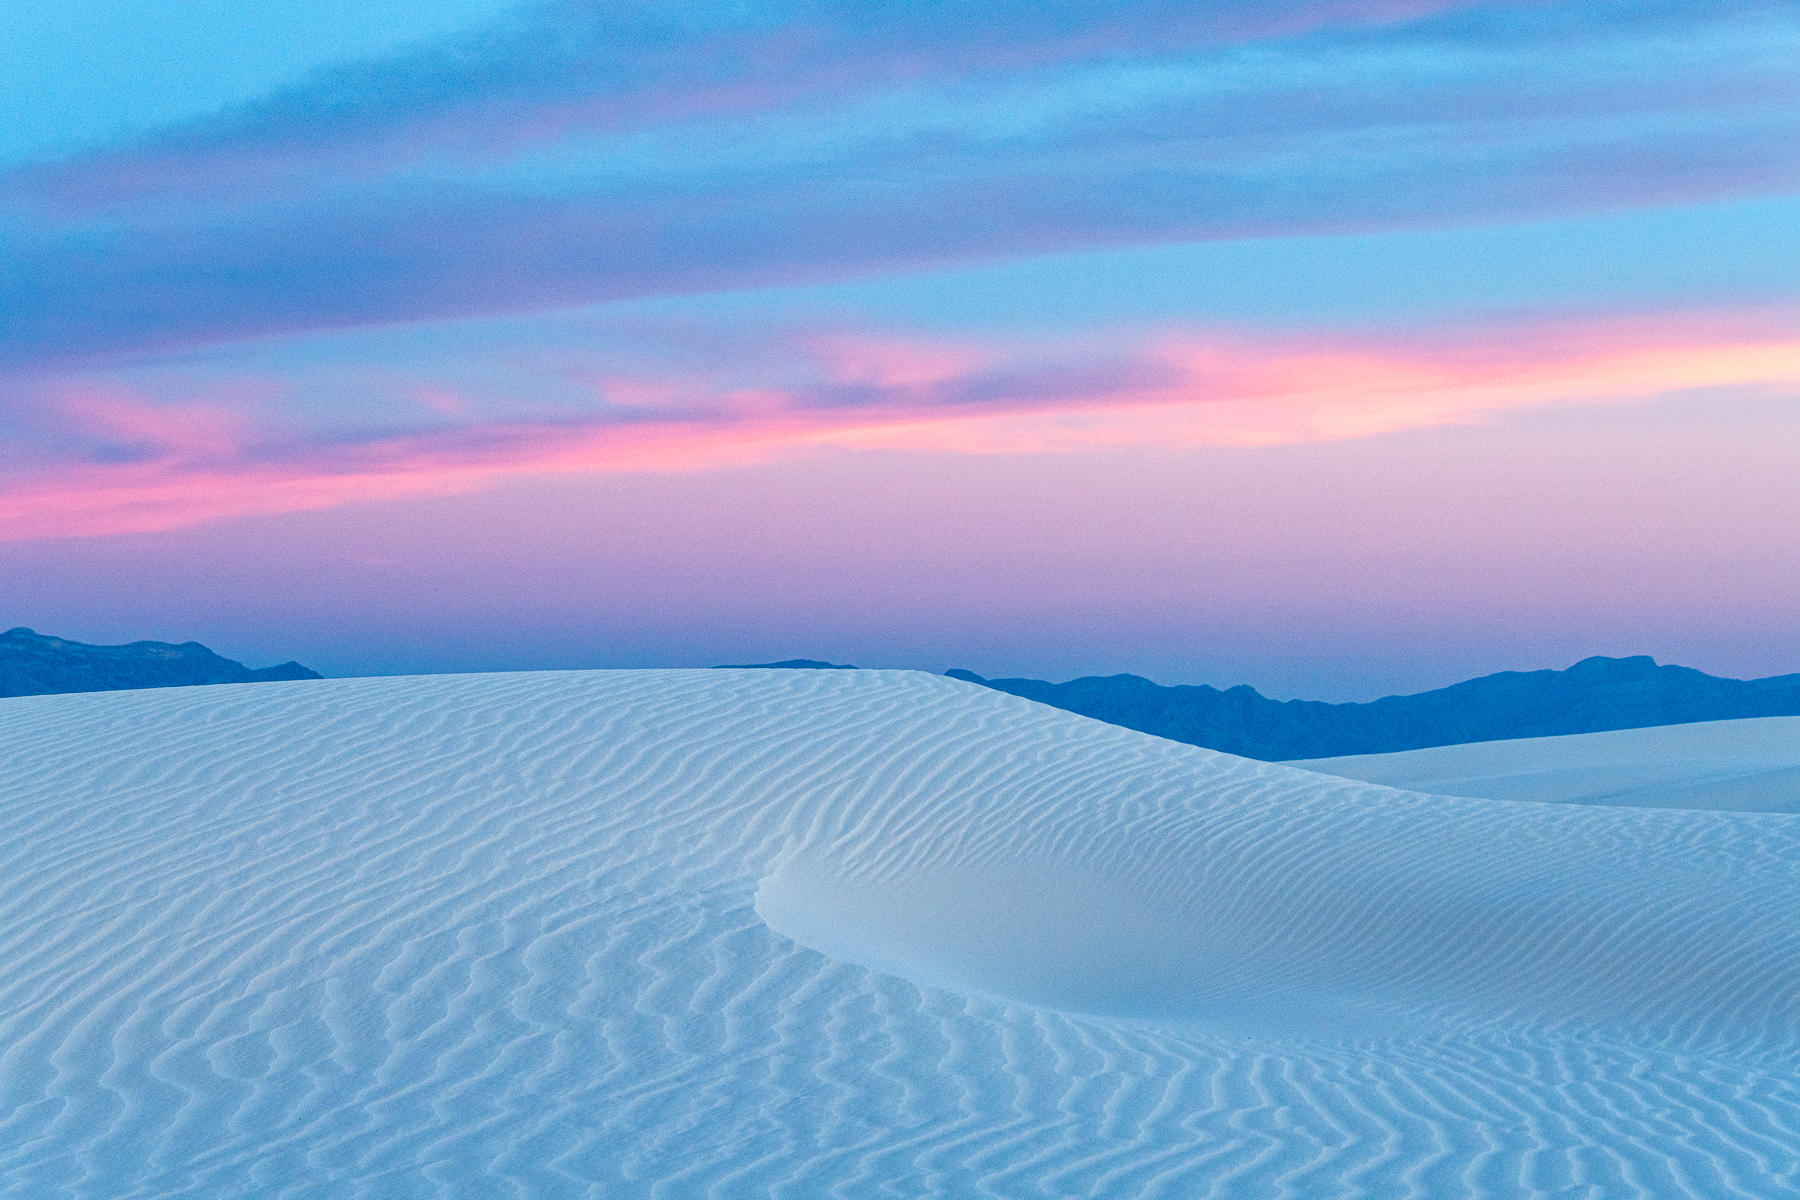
<point>1593,695</point>
<point>33,664</point>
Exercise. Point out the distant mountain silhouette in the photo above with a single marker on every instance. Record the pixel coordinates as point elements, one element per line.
<point>32,664</point>
<point>788,664</point>
<point>1593,695</point>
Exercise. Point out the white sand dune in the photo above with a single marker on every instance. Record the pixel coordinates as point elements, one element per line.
<point>1741,766</point>
<point>850,934</point>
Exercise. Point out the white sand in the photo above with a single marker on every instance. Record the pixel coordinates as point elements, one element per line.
<point>1742,766</point>
<point>857,934</point>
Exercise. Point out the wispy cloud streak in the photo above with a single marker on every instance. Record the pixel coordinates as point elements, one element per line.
<point>612,164</point>
<point>194,463</point>
<point>571,66</point>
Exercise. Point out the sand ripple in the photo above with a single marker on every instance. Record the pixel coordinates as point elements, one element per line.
<point>851,934</point>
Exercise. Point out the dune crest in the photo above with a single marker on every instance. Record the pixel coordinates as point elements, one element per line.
<point>1747,765</point>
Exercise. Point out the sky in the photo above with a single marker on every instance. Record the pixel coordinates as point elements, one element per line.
<point>1336,348</point>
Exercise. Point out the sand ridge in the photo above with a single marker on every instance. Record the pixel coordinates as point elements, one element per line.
<point>1748,765</point>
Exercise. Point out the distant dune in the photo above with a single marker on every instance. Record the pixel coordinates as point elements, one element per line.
<point>32,664</point>
<point>1745,766</point>
<point>1593,695</point>
<point>850,933</point>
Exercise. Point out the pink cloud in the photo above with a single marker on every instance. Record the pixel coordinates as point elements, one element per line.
<point>893,362</point>
<point>200,463</point>
<point>120,417</point>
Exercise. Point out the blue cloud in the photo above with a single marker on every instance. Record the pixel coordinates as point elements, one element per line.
<point>656,150</point>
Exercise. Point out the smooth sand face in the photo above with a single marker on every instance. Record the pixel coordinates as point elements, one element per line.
<point>1734,766</point>
<point>849,933</point>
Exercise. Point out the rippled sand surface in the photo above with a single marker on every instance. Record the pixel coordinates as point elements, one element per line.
<point>852,934</point>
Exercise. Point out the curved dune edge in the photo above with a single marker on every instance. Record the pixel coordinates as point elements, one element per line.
<point>1253,897</point>
<point>1040,935</point>
<point>848,933</point>
<point>1748,765</point>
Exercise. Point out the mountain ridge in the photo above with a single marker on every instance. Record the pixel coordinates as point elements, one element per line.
<point>35,664</point>
<point>1595,695</point>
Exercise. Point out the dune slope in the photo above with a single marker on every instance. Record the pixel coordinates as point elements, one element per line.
<point>1750,765</point>
<point>747,933</point>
